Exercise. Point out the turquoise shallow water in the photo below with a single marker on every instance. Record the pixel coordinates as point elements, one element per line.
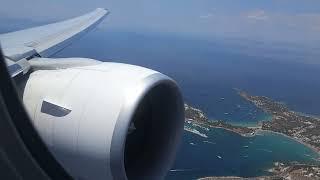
<point>225,153</point>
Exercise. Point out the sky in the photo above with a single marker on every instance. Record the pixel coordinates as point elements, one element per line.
<point>262,20</point>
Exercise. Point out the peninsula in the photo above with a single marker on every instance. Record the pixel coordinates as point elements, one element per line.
<point>198,117</point>
<point>303,128</point>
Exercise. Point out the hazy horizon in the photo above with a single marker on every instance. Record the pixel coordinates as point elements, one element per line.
<point>286,21</point>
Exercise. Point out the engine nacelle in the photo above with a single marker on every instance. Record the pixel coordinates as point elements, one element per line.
<point>107,121</point>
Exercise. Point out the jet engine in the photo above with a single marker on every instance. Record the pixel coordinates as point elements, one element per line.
<point>106,120</point>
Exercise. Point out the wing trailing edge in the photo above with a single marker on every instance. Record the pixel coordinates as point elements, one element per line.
<point>44,41</point>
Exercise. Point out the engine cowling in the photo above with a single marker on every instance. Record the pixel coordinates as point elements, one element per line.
<point>107,121</point>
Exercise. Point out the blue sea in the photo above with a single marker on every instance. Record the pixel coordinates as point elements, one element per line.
<point>208,70</point>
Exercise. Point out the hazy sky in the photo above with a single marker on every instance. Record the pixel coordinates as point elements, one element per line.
<point>274,20</point>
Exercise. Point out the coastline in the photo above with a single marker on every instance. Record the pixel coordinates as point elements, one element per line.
<point>196,132</point>
<point>230,130</point>
<point>286,122</point>
<point>279,120</point>
<point>315,149</point>
<point>258,129</point>
<point>201,124</point>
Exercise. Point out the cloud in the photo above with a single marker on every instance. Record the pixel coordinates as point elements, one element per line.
<point>258,15</point>
<point>206,16</point>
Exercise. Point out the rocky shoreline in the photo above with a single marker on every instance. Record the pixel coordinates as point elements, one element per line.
<point>302,128</point>
<point>281,171</point>
<point>299,127</point>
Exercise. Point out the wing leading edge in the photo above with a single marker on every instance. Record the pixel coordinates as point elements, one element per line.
<point>44,41</point>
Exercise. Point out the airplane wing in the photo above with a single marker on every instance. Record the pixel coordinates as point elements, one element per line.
<point>44,41</point>
<point>97,119</point>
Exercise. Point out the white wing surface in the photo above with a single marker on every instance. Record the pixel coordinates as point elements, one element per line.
<point>44,41</point>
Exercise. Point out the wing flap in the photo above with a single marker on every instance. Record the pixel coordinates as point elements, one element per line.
<point>16,68</point>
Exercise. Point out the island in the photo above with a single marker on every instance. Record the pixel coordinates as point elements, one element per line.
<point>300,127</point>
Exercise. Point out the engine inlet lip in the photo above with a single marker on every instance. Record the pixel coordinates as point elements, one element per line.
<point>131,102</point>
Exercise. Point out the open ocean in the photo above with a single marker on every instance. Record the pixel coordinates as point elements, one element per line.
<point>208,70</point>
